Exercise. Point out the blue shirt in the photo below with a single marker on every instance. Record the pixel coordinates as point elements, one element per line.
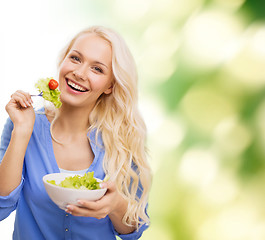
<point>37,217</point>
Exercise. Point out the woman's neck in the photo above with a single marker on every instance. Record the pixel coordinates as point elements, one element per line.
<point>70,123</point>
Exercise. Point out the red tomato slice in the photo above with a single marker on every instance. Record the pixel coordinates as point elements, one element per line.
<point>53,84</point>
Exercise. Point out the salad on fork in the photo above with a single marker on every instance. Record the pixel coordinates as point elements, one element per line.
<point>48,88</point>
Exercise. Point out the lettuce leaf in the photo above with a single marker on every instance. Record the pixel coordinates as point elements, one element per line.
<point>50,95</point>
<point>87,181</point>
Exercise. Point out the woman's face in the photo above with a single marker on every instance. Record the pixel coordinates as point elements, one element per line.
<point>86,71</point>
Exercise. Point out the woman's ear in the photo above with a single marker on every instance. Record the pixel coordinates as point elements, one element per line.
<point>109,90</point>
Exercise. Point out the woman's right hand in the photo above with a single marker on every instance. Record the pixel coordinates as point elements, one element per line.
<point>22,114</point>
<point>20,111</point>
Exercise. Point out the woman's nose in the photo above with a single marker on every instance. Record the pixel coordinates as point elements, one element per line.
<point>80,73</point>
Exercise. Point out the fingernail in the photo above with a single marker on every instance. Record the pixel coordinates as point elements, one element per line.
<point>102,185</point>
<point>28,103</point>
<point>80,202</point>
<point>69,207</point>
<point>68,211</point>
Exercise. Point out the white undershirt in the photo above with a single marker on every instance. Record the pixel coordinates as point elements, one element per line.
<point>83,171</point>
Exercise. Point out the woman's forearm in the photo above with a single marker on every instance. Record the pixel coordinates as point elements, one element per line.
<point>12,162</point>
<point>117,216</point>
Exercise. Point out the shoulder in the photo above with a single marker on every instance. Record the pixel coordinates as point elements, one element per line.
<point>8,128</point>
<point>5,137</point>
<point>41,117</point>
<point>8,124</point>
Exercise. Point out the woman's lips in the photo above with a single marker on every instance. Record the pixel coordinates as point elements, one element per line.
<point>74,87</point>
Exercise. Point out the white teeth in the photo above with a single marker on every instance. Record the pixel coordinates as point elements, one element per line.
<point>76,86</point>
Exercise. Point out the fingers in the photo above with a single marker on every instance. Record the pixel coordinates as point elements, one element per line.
<point>109,185</point>
<point>23,98</point>
<point>94,206</point>
<point>85,211</point>
<point>97,209</point>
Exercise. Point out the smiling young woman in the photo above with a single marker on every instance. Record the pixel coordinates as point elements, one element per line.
<point>98,128</point>
<point>86,70</point>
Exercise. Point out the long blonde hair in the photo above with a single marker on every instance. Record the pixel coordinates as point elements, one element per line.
<point>117,118</point>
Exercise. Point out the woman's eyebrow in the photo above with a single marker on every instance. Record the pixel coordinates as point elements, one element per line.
<point>94,61</point>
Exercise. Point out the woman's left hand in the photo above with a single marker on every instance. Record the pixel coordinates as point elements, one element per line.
<point>108,204</point>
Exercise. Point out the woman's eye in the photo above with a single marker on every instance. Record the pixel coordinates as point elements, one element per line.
<point>75,58</point>
<point>98,69</point>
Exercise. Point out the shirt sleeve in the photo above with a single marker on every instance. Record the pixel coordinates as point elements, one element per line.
<point>8,203</point>
<point>5,137</point>
<point>132,236</point>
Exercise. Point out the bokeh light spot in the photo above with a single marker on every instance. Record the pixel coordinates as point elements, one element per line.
<point>205,107</point>
<point>208,37</point>
<point>198,167</point>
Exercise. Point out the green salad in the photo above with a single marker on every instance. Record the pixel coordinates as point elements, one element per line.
<point>48,93</point>
<point>87,181</point>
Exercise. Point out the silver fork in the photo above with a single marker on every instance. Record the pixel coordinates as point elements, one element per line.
<point>35,95</point>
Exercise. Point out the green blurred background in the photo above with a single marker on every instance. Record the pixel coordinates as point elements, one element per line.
<point>202,93</point>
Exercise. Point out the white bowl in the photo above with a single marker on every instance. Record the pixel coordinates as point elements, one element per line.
<point>64,196</point>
